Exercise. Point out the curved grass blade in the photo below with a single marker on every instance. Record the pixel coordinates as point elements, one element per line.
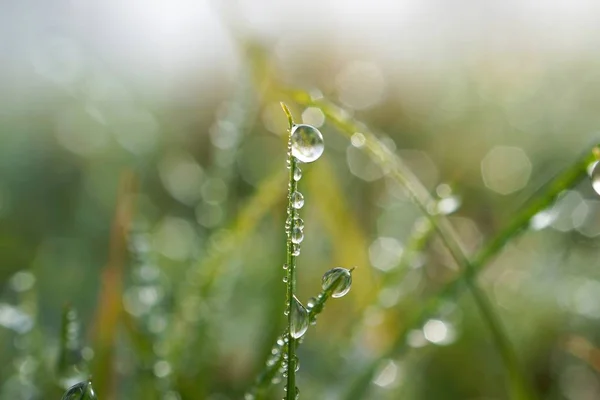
<point>204,275</point>
<point>349,241</point>
<point>388,161</point>
<point>565,180</point>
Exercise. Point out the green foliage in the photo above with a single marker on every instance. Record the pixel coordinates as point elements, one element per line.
<point>177,282</point>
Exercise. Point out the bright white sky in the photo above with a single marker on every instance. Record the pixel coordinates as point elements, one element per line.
<point>161,43</point>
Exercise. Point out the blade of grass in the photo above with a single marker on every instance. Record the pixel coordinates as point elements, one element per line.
<point>110,307</point>
<point>565,180</point>
<point>203,277</point>
<point>519,387</point>
<point>291,269</point>
<point>349,242</point>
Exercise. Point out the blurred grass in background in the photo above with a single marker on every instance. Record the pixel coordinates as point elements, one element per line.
<point>142,180</point>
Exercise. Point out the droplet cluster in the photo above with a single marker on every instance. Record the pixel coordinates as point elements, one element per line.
<point>305,145</point>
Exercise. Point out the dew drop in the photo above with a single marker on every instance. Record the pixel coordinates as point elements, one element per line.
<point>311,303</point>
<point>81,390</point>
<point>298,223</point>
<point>297,173</point>
<point>285,279</point>
<point>596,178</point>
<point>339,280</point>
<point>285,267</point>
<point>297,235</point>
<point>297,200</point>
<point>307,143</point>
<point>299,322</point>
<point>295,249</point>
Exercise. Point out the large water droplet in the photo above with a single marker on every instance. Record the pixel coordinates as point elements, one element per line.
<point>297,200</point>
<point>299,323</point>
<point>596,177</point>
<point>80,391</point>
<point>297,235</point>
<point>339,280</point>
<point>307,143</point>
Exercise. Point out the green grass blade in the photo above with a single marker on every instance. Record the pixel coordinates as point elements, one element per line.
<point>519,386</point>
<point>565,180</point>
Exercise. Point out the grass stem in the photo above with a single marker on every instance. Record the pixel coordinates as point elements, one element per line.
<point>291,270</point>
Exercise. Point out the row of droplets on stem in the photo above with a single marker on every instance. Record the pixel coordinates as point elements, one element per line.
<point>305,145</point>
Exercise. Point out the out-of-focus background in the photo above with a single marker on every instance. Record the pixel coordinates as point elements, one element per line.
<point>142,163</point>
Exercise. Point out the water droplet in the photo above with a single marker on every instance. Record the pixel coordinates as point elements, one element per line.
<point>285,267</point>
<point>448,205</point>
<point>298,223</point>
<point>297,173</point>
<point>297,235</point>
<point>296,364</point>
<point>311,303</point>
<point>297,200</point>
<point>439,332</point>
<point>285,279</point>
<point>80,391</point>
<point>249,396</point>
<point>295,250</point>
<point>358,140</point>
<point>339,280</point>
<point>596,178</point>
<point>307,143</point>
<point>299,323</point>
<point>276,380</point>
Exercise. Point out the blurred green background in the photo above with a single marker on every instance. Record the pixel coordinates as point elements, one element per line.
<point>142,181</point>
